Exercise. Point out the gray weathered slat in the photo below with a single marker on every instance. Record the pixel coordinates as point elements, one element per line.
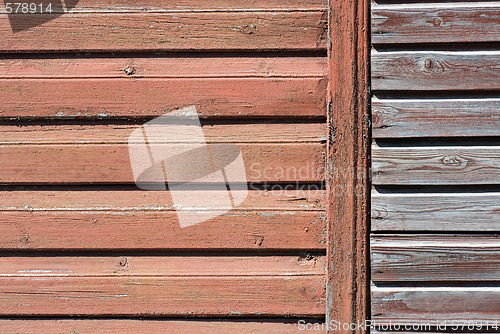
<point>398,118</point>
<point>436,165</point>
<point>433,70</point>
<point>436,22</point>
<point>436,212</point>
<point>434,305</point>
<point>435,258</point>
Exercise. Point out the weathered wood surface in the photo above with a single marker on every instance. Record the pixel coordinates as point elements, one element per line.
<point>436,70</point>
<point>399,258</point>
<point>190,6</point>
<point>120,326</point>
<point>104,98</point>
<point>119,133</point>
<point>164,66</point>
<point>166,266</point>
<point>433,165</point>
<point>403,118</point>
<point>103,219</point>
<point>163,296</point>
<point>436,23</point>
<point>433,305</point>
<point>110,163</point>
<point>107,219</point>
<point>348,147</point>
<point>444,211</point>
<point>157,285</point>
<point>305,198</point>
<point>181,31</point>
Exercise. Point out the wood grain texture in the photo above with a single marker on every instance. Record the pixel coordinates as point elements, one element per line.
<point>433,70</point>
<point>190,6</point>
<point>165,266</point>
<point>216,97</point>
<point>348,153</point>
<point>103,219</point>
<point>97,326</point>
<point>110,164</point>
<point>189,31</point>
<point>90,230</point>
<point>119,133</point>
<point>432,165</point>
<point>300,198</point>
<point>163,296</point>
<point>436,211</point>
<point>423,258</point>
<point>400,118</point>
<point>436,23</point>
<point>164,66</point>
<point>428,305</point>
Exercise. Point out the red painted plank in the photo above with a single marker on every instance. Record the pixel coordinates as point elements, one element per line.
<point>189,31</point>
<point>110,164</point>
<point>93,326</point>
<point>217,97</point>
<point>163,296</point>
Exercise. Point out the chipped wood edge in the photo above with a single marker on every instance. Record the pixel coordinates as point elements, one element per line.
<point>348,159</point>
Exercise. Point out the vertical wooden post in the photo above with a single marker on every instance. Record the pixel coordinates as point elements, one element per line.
<point>348,163</point>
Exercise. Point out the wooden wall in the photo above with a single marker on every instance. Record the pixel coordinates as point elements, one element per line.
<point>436,162</point>
<point>82,248</point>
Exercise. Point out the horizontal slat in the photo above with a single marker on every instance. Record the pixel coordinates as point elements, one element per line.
<point>170,66</point>
<point>213,97</point>
<point>294,30</point>
<point>398,118</point>
<point>104,219</point>
<point>428,305</point>
<point>110,164</point>
<point>435,258</point>
<point>189,6</point>
<point>161,230</point>
<point>433,165</point>
<point>302,198</point>
<point>119,134</point>
<point>93,326</point>
<point>189,266</point>
<point>436,212</point>
<point>445,70</point>
<point>436,23</point>
<point>160,296</point>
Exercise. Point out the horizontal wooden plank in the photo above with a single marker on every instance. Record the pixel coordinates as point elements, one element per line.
<point>399,258</point>
<point>134,219</point>
<point>188,266</point>
<point>237,229</point>
<point>98,326</point>
<point>401,118</point>
<point>273,198</point>
<point>436,22</point>
<point>433,305</point>
<point>444,211</point>
<point>432,70</point>
<point>259,30</point>
<point>190,6</point>
<point>163,296</point>
<point>110,164</point>
<point>431,165</point>
<point>119,133</point>
<point>163,66</point>
<point>215,97</point>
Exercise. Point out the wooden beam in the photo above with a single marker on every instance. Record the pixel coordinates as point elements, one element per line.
<point>347,161</point>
